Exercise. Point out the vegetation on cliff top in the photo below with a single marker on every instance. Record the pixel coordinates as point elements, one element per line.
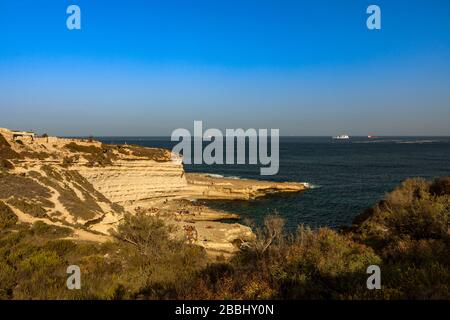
<point>95,155</point>
<point>156,154</point>
<point>406,234</point>
<point>108,153</point>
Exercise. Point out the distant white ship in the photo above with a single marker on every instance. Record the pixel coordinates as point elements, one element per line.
<point>342,137</point>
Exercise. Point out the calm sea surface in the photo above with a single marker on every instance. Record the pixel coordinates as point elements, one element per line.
<point>348,176</point>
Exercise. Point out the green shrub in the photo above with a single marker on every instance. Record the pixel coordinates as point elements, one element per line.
<point>406,235</point>
<point>41,155</point>
<point>312,264</point>
<point>161,265</point>
<point>32,208</point>
<point>7,279</point>
<point>410,231</point>
<point>21,186</point>
<point>7,216</point>
<point>155,154</point>
<point>42,229</point>
<point>73,147</point>
<point>41,276</point>
<point>60,247</point>
<point>95,155</point>
<point>408,212</point>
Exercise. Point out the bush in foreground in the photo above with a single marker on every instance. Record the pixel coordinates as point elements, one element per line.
<point>406,235</point>
<point>409,230</point>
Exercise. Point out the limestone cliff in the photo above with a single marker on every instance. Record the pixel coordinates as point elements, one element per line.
<point>88,186</point>
<point>204,186</point>
<point>128,182</point>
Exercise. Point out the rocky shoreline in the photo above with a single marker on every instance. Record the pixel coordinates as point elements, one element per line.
<point>89,186</point>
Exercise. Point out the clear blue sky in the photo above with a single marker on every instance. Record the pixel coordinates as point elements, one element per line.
<point>148,67</point>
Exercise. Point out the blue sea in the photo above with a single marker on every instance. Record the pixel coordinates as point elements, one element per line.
<point>347,176</point>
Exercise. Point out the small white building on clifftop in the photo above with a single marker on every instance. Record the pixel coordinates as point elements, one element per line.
<point>23,134</point>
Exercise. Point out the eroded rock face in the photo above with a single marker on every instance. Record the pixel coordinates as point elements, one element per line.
<point>89,186</point>
<point>220,238</point>
<point>130,181</point>
<point>204,186</point>
<point>58,180</point>
<point>58,196</point>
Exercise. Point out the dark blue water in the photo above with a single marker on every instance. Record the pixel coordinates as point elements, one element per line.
<point>348,176</point>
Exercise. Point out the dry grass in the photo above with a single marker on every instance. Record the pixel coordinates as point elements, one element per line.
<point>34,208</point>
<point>147,262</point>
<point>95,155</point>
<point>6,152</point>
<point>41,155</point>
<point>21,186</point>
<point>86,209</point>
<point>155,154</point>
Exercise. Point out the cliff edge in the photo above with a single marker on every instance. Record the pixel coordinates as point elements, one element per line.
<point>88,186</point>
